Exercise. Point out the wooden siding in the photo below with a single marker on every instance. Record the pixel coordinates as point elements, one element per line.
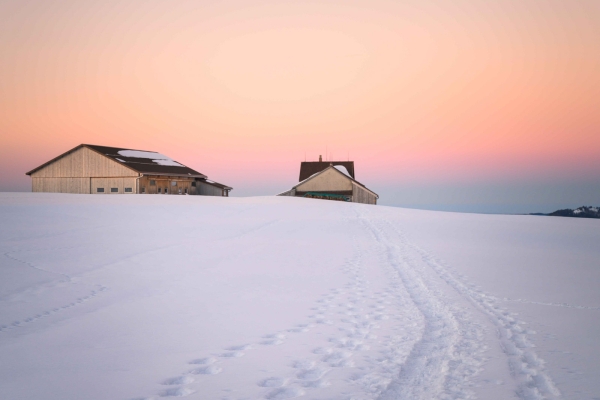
<point>328,180</point>
<point>81,163</point>
<point>165,182</point>
<point>361,195</point>
<point>61,185</point>
<point>205,189</point>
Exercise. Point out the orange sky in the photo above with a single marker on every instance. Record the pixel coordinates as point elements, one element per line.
<point>435,93</point>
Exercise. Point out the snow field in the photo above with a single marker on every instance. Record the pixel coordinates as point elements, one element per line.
<point>148,297</point>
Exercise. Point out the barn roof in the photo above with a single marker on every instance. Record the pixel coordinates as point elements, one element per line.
<point>141,161</point>
<point>309,168</point>
<point>213,183</point>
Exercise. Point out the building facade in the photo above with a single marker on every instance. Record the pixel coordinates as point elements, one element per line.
<point>331,181</point>
<point>91,169</point>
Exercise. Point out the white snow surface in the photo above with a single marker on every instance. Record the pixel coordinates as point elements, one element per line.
<point>157,158</point>
<point>342,169</point>
<point>148,297</point>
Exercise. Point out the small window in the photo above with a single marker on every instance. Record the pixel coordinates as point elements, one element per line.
<point>185,190</point>
<point>100,190</point>
<point>143,190</point>
<point>159,189</point>
<point>166,190</point>
<point>152,183</point>
<point>128,190</point>
<point>193,184</point>
<point>173,183</point>
<point>114,190</point>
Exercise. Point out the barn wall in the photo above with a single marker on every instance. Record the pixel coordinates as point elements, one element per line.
<point>330,180</point>
<point>360,195</point>
<point>107,183</point>
<point>83,162</point>
<point>205,189</point>
<point>165,182</point>
<point>60,185</point>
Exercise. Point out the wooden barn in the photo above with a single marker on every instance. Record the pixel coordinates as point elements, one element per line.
<point>112,170</point>
<point>331,180</point>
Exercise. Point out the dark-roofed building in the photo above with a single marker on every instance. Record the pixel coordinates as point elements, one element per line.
<point>309,168</point>
<point>100,169</point>
<point>331,180</point>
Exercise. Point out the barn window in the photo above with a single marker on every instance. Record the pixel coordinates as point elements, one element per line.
<point>143,190</point>
<point>159,190</point>
<point>152,183</point>
<point>185,190</point>
<point>194,184</point>
<point>173,183</point>
<point>114,190</point>
<point>166,190</point>
<point>128,190</point>
<point>100,190</point>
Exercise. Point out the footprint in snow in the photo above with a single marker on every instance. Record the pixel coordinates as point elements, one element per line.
<point>303,364</point>
<point>312,374</point>
<point>284,393</point>
<point>273,382</point>
<point>323,350</point>
<point>240,347</point>
<point>179,380</point>
<point>204,361</point>
<point>338,359</point>
<point>319,383</point>
<point>271,342</point>
<point>176,392</point>
<point>300,328</point>
<point>273,339</point>
<point>207,370</point>
<point>233,354</point>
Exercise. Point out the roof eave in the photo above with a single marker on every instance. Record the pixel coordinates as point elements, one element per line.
<point>199,175</point>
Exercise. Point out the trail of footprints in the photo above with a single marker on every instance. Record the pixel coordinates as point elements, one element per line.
<point>404,340</point>
<point>27,320</point>
<point>357,312</point>
<point>48,313</point>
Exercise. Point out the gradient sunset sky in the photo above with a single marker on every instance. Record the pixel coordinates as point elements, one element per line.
<point>485,106</point>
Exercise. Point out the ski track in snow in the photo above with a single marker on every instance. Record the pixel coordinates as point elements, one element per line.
<point>432,349</point>
<point>526,366</point>
<point>541,303</point>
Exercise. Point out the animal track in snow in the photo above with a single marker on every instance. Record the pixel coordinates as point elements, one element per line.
<point>47,313</point>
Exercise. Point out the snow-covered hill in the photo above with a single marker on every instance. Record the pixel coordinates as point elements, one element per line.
<point>129,297</point>
<point>581,212</point>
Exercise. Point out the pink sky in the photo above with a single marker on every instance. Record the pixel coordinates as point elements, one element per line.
<point>434,93</point>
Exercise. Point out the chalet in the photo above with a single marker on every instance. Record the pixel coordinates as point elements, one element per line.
<point>111,170</point>
<point>331,180</point>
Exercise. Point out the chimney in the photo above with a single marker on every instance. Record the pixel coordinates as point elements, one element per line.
<point>320,159</point>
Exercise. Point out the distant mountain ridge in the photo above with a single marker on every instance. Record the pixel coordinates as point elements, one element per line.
<point>581,212</point>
